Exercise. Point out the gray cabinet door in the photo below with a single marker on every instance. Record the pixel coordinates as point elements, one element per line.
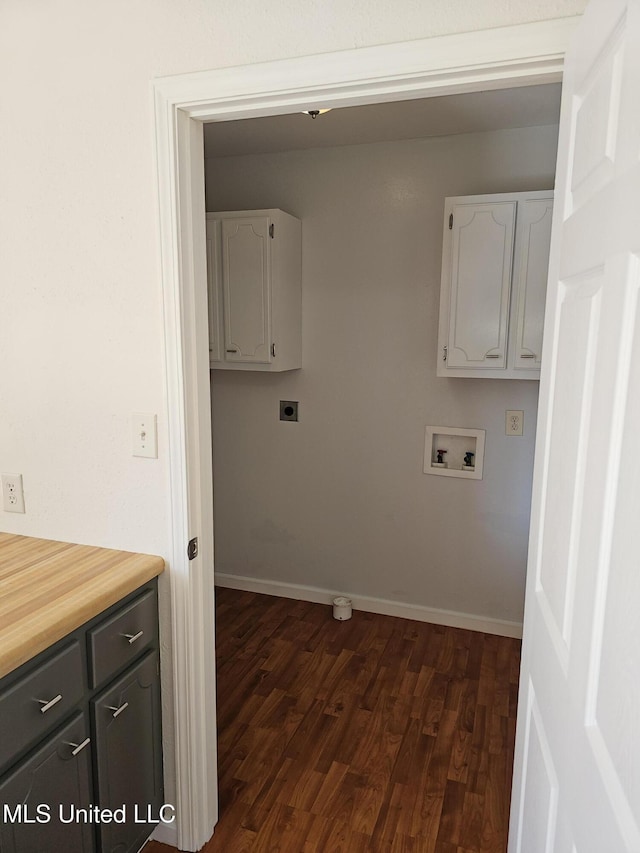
<point>39,799</point>
<point>128,746</point>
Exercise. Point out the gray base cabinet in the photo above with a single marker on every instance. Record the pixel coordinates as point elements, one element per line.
<point>80,738</point>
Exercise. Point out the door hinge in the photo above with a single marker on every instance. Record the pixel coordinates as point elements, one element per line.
<point>272,229</point>
<point>192,548</point>
<point>273,350</point>
<point>450,221</point>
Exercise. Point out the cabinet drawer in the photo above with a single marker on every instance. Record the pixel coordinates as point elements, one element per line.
<point>119,639</point>
<point>35,703</point>
<point>39,796</point>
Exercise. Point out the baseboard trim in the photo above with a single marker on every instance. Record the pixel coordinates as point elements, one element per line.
<point>166,833</point>
<point>451,618</point>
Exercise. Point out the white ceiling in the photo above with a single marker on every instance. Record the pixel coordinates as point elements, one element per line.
<point>439,116</point>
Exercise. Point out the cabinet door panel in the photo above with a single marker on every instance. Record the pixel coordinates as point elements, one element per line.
<point>214,272</point>
<point>247,289</point>
<point>56,781</point>
<point>482,250</point>
<point>530,285</point>
<point>128,754</point>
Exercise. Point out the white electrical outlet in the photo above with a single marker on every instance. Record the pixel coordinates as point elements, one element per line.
<point>12,493</point>
<point>145,435</point>
<point>514,422</point>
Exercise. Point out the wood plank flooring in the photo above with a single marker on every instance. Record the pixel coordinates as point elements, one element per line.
<point>376,734</point>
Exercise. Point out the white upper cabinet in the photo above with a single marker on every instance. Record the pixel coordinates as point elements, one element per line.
<point>494,276</point>
<point>255,297</point>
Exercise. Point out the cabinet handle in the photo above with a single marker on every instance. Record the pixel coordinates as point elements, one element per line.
<point>232,350</point>
<point>133,637</point>
<point>527,355</point>
<point>273,350</point>
<point>495,355</point>
<point>78,747</point>
<point>47,704</point>
<point>117,711</point>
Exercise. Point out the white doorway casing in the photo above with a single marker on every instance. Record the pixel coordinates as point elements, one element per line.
<point>492,59</point>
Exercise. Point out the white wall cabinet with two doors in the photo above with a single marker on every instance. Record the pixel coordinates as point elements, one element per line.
<point>494,278</point>
<point>254,267</point>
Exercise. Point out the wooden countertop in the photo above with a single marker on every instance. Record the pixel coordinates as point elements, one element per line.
<point>48,589</point>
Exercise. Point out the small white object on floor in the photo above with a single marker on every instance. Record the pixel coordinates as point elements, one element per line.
<point>341,608</point>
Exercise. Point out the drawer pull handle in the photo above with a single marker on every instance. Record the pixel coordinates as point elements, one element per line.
<point>493,355</point>
<point>47,704</point>
<point>117,711</point>
<point>527,355</point>
<point>133,637</point>
<point>78,747</point>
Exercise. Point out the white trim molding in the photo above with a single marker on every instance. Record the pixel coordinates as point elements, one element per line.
<point>166,833</point>
<point>384,606</point>
<point>520,55</point>
<point>466,62</point>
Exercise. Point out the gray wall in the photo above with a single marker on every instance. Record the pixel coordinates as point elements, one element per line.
<point>339,500</point>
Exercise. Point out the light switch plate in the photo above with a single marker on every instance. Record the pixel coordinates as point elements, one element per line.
<point>514,422</point>
<point>145,435</point>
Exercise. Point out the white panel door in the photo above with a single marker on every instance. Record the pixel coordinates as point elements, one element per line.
<point>246,272</point>
<point>530,280</point>
<point>482,251</point>
<point>577,768</point>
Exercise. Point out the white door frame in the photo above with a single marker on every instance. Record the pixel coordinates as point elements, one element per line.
<point>508,56</point>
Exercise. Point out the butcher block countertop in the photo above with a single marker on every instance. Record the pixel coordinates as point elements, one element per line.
<point>48,589</point>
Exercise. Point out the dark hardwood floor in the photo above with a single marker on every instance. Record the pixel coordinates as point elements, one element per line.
<point>376,734</point>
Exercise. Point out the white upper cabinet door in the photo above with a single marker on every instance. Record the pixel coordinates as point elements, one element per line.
<point>481,254</point>
<point>530,280</point>
<point>246,289</point>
